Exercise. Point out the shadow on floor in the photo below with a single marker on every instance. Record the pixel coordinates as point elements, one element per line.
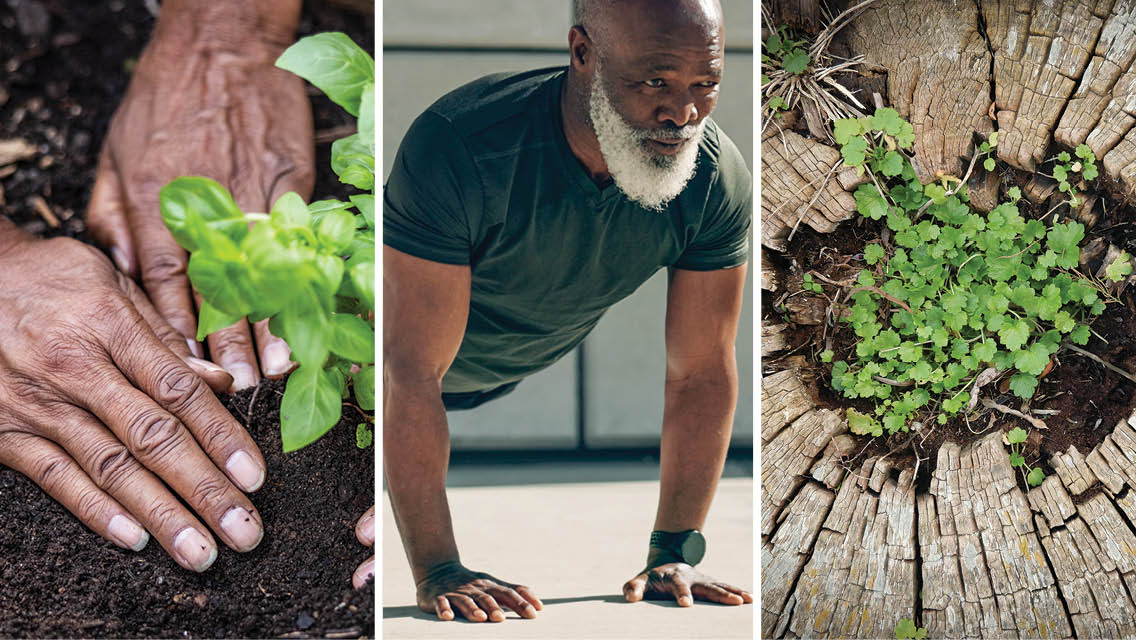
<point>412,611</point>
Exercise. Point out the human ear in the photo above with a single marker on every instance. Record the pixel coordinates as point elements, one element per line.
<point>580,48</point>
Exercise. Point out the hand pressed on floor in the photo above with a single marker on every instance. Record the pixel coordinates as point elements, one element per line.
<point>204,101</point>
<point>102,405</point>
<point>685,584</point>
<point>477,596</point>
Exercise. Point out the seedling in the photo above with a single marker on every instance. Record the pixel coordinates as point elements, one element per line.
<point>1066,167</point>
<point>1032,475</point>
<point>308,268</point>
<point>905,629</point>
<point>785,53</point>
<point>954,292</point>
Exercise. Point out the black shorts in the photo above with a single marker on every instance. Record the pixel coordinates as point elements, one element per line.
<point>473,399</point>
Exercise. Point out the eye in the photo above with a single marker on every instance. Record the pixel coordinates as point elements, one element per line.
<point>709,84</point>
<point>654,83</point>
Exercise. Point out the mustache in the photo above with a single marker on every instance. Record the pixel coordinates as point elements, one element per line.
<point>669,132</point>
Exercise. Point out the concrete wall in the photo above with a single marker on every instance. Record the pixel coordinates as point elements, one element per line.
<point>433,46</point>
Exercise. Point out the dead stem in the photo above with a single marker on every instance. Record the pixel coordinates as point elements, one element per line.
<point>1092,356</point>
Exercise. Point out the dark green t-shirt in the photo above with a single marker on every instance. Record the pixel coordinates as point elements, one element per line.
<point>485,177</point>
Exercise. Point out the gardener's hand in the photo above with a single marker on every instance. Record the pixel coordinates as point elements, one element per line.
<point>476,596</point>
<point>205,100</point>
<point>99,407</point>
<point>684,583</point>
<point>365,532</point>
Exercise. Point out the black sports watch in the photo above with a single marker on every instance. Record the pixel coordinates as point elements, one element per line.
<point>684,546</point>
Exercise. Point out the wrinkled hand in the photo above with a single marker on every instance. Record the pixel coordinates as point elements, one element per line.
<point>214,109</point>
<point>365,533</point>
<point>684,583</point>
<point>101,403</point>
<point>476,596</point>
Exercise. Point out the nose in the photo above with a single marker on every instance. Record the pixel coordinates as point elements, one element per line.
<point>680,110</point>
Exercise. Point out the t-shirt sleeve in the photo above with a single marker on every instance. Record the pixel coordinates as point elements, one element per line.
<point>722,241</point>
<point>433,194</point>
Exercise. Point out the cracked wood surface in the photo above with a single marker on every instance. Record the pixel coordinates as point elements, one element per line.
<point>793,169</point>
<point>845,553</point>
<point>938,75</point>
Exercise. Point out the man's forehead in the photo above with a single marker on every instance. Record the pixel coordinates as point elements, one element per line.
<point>662,35</point>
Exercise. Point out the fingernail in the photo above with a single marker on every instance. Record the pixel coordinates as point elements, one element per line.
<point>684,601</point>
<point>245,471</point>
<point>367,530</point>
<point>195,549</point>
<point>243,376</point>
<point>119,258</point>
<point>497,616</point>
<point>195,347</point>
<point>205,364</point>
<point>277,359</point>
<point>365,571</point>
<point>128,533</point>
<point>242,528</point>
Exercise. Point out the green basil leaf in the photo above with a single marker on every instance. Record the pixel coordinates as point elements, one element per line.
<point>290,211</point>
<point>307,332</point>
<point>365,203</point>
<point>211,319</point>
<point>352,338</point>
<point>222,283</point>
<point>310,407</point>
<point>334,64</point>
<point>366,125</point>
<point>364,382</point>
<point>362,276</point>
<point>336,229</point>
<point>353,163</point>
<point>189,200</point>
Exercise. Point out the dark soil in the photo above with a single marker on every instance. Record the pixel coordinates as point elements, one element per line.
<point>61,580</point>
<point>1089,398</point>
<point>63,68</point>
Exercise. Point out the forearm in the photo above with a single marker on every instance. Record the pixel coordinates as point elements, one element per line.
<point>698,418</point>
<point>10,234</point>
<point>416,451</point>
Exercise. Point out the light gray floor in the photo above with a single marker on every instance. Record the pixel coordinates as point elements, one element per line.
<point>576,544</point>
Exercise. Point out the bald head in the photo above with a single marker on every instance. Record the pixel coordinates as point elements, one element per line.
<point>620,20</point>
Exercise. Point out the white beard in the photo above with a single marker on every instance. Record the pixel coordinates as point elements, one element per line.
<point>643,175</point>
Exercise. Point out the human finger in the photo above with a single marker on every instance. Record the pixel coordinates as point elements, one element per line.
<point>163,444</point>
<point>63,479</point>
<point>106,216</point>
<point>442,608</point>
<point>489,605</point>
<point>365,528</point>
<point>215,376</point>
<point>527,594</point>
<point>115,470</point>
<point>232,348</point>
<point>634,588</point>
<point>467,607</point>
<point>681,591</point>
<point>714,593</point>
<point>162,264</point>
<point>363,572</point>
<point>165,379</point>
<point>275,354</point>
<point>510,598</point>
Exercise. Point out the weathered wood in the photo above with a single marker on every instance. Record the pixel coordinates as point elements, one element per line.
<point>861,577</point>
<point>829,469</point>
<point>803,15</point>
<point>1074,472</point>
<point>1003,587</point>
<point>783,400</point>
<point>938,75</point>
<point>773,339</point>
<point>793,169</point>
<point>1040,54</point>
<point>770,277</point>
<point>783,556</point>
<point>787,458</point>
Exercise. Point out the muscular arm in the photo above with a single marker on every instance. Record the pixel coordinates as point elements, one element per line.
<point>425,305</point>
<point>701,392</point>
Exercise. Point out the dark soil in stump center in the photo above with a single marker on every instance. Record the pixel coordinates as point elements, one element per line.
<point>63,68</point>
<point>1088,398</point>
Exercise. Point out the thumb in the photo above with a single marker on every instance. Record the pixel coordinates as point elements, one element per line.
<point>106,217</point>
<point>634,588</point>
